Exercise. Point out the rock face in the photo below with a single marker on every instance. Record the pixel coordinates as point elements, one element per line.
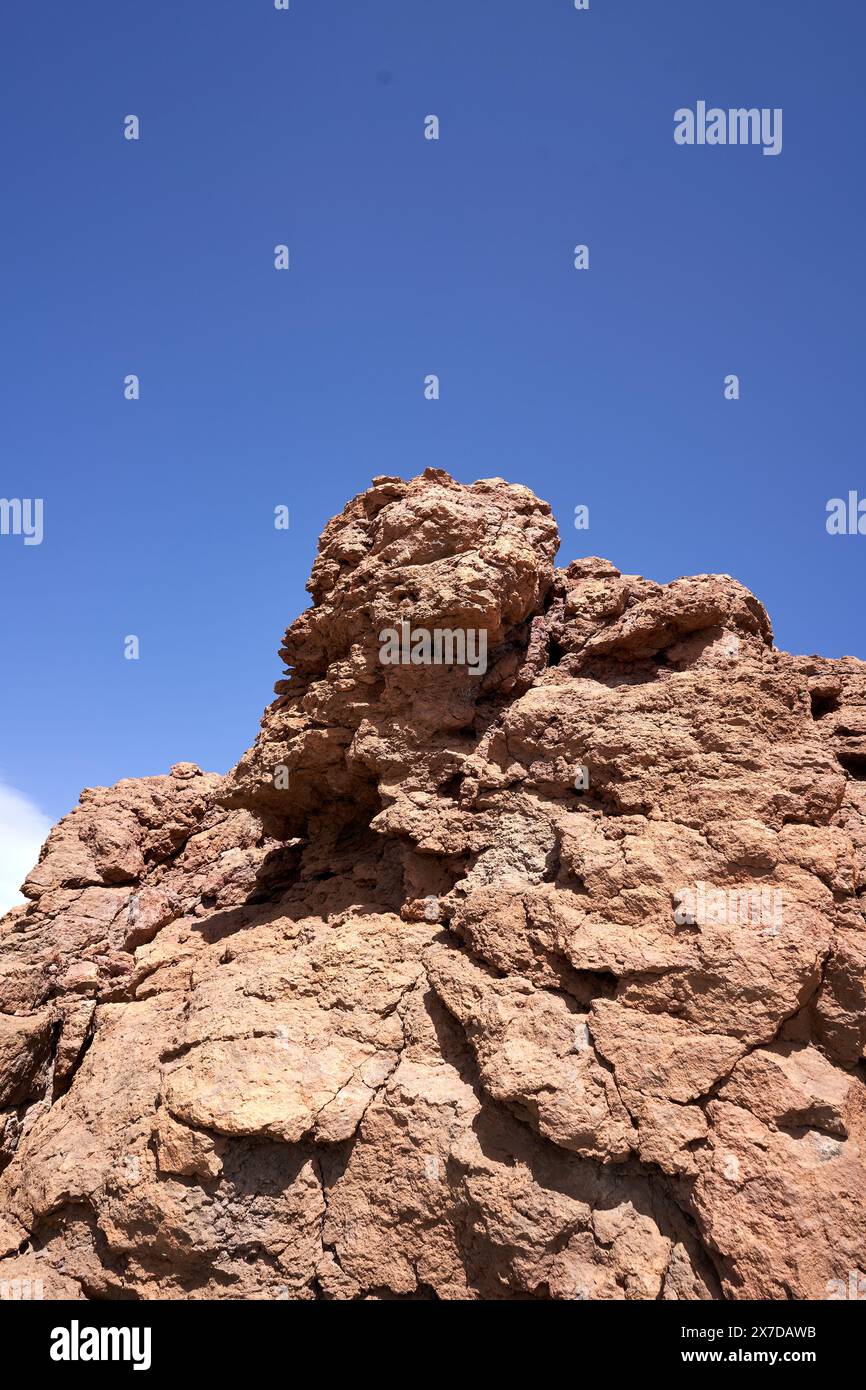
<point>544,980</point>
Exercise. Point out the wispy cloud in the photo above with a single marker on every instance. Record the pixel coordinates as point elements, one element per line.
<point>23,828</point>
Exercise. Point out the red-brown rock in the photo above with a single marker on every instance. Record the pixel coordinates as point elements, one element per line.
<point>544,980</point>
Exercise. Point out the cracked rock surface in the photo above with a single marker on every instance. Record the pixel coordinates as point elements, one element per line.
<point>545,982</point>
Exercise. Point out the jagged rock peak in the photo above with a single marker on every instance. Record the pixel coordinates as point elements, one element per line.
<point>523,955</point>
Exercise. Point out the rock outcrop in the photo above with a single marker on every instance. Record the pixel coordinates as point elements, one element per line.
<point>544,979</point>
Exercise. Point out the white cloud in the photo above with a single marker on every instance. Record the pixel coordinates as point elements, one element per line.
<point>23,828</point>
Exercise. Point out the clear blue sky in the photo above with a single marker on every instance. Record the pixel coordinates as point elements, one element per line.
<point>603,387</point>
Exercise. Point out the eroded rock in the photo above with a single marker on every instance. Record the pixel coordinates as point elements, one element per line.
<point>545,981</point>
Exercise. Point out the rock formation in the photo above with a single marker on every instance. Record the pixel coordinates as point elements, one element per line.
<point>546,982</point>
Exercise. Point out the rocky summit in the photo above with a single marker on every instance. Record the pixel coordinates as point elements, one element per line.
<point>540,976</point>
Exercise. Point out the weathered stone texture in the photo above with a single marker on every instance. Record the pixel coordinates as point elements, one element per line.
<point>402,1008</point>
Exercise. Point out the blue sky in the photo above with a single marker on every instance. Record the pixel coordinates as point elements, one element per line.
<point>408,257</point>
